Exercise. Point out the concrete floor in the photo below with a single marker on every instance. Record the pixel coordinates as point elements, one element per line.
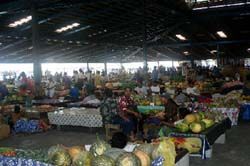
<point>236,151</point>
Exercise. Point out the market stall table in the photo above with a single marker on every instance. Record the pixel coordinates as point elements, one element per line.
<point>231,113</point>
<point>85,117</point>
<point>53,102</point>
<point>245,107</point>
<point>208,137</point>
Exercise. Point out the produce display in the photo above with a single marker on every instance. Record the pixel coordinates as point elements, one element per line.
<point>193,145</point>
<point>103,160</point>
<point>8,152</point>
<point>165,149</point>
<point>148,106</point>
<point>128,159</point>
<point>114,153</point>
<point>101,154</point>
<point>197,122</point>
<point>83,159</point>
<point>99,147</point>
<point>144,157</point>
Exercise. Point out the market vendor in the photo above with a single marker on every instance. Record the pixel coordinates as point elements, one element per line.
<point>141,89</point>
<point>167,118</point>
<point>127,116</point>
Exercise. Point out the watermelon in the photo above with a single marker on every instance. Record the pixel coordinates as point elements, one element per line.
<point>190,118</point>
<point>114,153</point>
<point>83,159</point>
<point>203,125</point>
<point>99,147</point>
<point>196,127</point>
<point>128,159</point>
<point>103,160</point>
<point>182,127</point>
<point>208,122</point>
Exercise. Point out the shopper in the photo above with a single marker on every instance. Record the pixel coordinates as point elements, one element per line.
<point>50,88</point>
<point>155,74</point>
<point>155,88</point>
<point>108,107</point>
<point>98,79</point>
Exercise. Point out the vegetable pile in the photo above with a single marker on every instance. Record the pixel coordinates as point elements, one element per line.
<point>198,122</point>
<point>101,154</point>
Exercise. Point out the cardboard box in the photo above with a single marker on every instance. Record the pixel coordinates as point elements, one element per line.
<point>4,131</point>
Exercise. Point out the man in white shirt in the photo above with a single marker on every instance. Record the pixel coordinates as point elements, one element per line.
<point>192,90</point>
<point>141,90</point>
<point>155,88</point>
<point>50,88</point>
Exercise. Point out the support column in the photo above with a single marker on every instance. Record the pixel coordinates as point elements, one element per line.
<point>145,50</point>
<point>35,51</point>
<point>218,55</point>
<point>88,66</point>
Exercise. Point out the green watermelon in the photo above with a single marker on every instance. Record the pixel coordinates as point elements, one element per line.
<point>208,122</point>
<point>114,153</point>
<point>182,127</point>
<point>203,125</point>
<point>103,160</point>
<point>196,127</point>
<point>128,159</point>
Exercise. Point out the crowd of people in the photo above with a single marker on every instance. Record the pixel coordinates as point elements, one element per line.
<point>122,109</point>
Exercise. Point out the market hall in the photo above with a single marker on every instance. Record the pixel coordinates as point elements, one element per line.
<point>123,82</point>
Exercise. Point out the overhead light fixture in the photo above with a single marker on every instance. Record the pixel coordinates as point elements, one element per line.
<point>3,12</point>
<point>20,22</point>
<point>248,49</point>
<point>222,6</point>
<point>181,37</point>
<point>71,26</point>
<point>213,51</point>
<point>186,53</point>
<point>221,34</point>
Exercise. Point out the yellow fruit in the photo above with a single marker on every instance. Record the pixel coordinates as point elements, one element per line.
<point>190,118</point>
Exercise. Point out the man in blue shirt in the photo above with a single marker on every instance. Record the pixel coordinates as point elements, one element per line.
<point>155,74</point>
